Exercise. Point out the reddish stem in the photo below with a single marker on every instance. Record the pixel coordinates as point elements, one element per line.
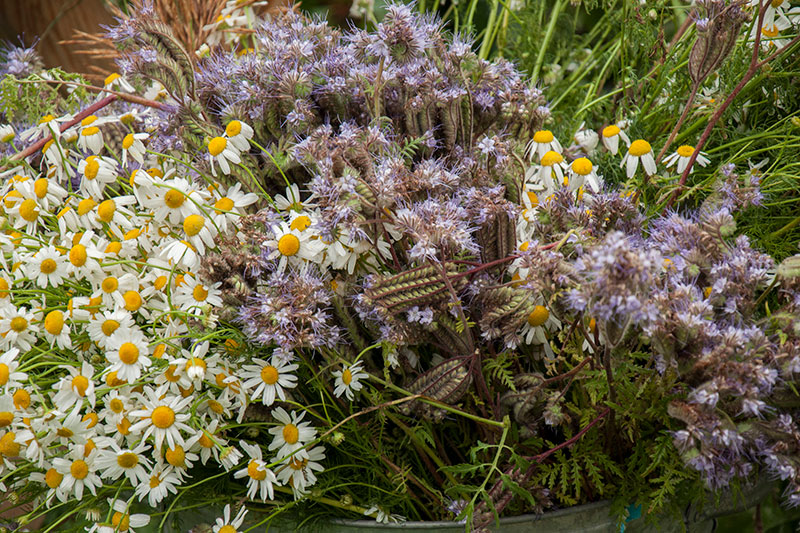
<point>544,455</point>
<point>755,64</point>
<point>35,147</point>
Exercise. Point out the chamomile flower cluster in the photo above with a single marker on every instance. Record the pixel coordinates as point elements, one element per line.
<point>101,270</point>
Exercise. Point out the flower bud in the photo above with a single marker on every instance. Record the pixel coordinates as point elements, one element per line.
<point>790,267</point>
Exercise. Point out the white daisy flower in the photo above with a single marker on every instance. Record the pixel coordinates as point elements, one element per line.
<point>200,232</point>
<point>611,136</point>
<point>114,462</point>
<point>128,354</point>
<point>533,331</point>
<point>182,254</point>
<point>90,137</point>
<point>180,459</point>
<point>293,246</point>
<point>53,479</point>
<point>292,201</point>
<point>299,473</point>
<point>47,191</point>
<point>582,170</point>
<point>291,434</point>
<point>551,170</point>
<point>47,267</point>
<point>70,429</point>
<point>104,324</point>
<point>239,135</point>
<point>260,478</point>
<point>193,296</point>
<point>348,380</point>
<point>162,417</point>
<point>229,208</point>
<point>75,387</point>
<point>682,155</point>
<point>121,521</point>
<point>174,200</point>
<point>79,471</point>
<point>227,525</point>
<point>222,151</point>
<point>56,330</point>
<point>269,379</point>
<point>163,480</point>
<point>118,83</point>
<point>47,125</point>
<point>543,141</point>
<point>7,133</point>
<point>639,149</point>
<point>96,172</point>
<point>17,328</point>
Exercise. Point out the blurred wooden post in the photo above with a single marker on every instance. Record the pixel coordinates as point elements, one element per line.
<point>53,21</point>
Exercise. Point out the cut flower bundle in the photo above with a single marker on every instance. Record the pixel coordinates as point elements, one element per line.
<point>354,271</point>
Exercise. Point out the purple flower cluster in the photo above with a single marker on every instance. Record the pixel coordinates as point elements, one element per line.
<point>290,310</point>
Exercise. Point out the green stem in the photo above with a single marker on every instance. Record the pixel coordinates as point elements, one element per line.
<point>551,26</point>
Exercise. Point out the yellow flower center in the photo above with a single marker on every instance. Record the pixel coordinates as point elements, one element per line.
<point>176,457</point>
<point>92,167</point>
<point>110,78</point>
<point>524,246</point>
<point>19,324</point>
<point>538,316</point>
<point>46,118</point>
<point>120,521</point>
<point>771,31</point>
<point>199,293</point>
<point>174,198</point>
<point>116,405</point>
<point>54,322</point>
<point>64,432</point>
<point>155,481</point>
<point>77,255</point>
<point>170,374</point>
<point>86,205</point>
<point>290,433</point>
<point>269,375</point>
<point>92,418</point>
<point>582,166</point>
<point>227,528</point>
<point>113,247</point>
<point>106,210</point>
<point>127,142</point>
<point>91,130</point>
<point>22,399</point>
<point>48,266</point>
<point>224,204</point>
<point>163,417</point>
<point>551,158</point>
<point>8,447</point>
<point>217,145</point>
<point>127,460</point>
<point>288,245</point>
<point>109,284</point>
<point>216,407</point>
<point>6,417</point>
<point>40,187</point>
<point>79,469</point>
<point>234,128</point>
<point>685,150</point>
<point>254,472</point>
<point>639,147</point>
<point>300,223</point>
<point>3,288</point>
<point>53,478</point>
<point>160,282</point>
<point>109,327</point>
<point>193,224</point>
<point>29,210</point>
<point>347,376</point>
<point>81,383</point>
<point>88,120</point>
<point>610,131</point>
<point>543,136</point>
<point>133,301</point>
<point>4,374</point>
<point>128,353</point>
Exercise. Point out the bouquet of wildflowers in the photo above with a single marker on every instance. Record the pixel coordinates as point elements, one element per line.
<point>353,272</point>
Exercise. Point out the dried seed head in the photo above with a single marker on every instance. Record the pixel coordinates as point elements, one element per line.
<point>716,35</point>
